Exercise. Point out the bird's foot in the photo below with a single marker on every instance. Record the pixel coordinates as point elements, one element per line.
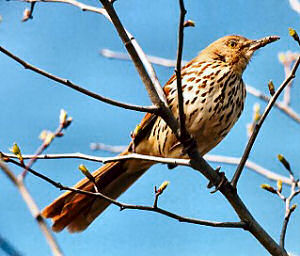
<point>221,183</point>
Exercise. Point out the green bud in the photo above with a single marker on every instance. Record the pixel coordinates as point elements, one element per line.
<point>85,172</point>
<point>256,112</point>
<point>162,187</point>
<point>285,163</point>
<point>279,186</point>
<point>268,188</point>
<point>293,208</point>
<point>15,149</point>
<point>294,34</point>
<point>271,87</point>
<point>62,116</point>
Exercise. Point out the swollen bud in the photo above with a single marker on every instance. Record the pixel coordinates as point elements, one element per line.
<point>16,151</point>
<point>285,163</point>
<point>256,112</point>
<point>268,188</point>
<point>279,186</point>
<point>64,120</point>
<point>85,172</point>
<point>271,87</point>
<point>26,15</point>
<point>68,122</point>
<point>294,34</point>
<point>189,23</point>
<point>50,136</point>
<point>282,57</point>
<point>293,208</point>
<point>62,116</point>
<point>162,187</point>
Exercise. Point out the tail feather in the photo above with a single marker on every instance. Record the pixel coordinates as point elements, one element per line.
<point>77,211</point>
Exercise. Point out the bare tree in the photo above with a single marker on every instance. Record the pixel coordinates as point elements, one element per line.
<point>159,107</point>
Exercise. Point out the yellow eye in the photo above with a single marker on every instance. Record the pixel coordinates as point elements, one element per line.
<point>232,44</point>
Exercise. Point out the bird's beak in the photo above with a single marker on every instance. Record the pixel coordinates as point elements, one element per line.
<point>256,44</point>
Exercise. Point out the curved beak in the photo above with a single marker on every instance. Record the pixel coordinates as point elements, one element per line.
<point>256,44</point>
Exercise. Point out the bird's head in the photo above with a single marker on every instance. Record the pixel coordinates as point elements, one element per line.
<point>235,51</point>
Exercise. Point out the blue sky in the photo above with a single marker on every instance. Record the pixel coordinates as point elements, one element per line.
<point>65,41</point>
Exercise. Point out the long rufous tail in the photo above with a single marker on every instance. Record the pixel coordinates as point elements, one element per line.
<point>77,211</point>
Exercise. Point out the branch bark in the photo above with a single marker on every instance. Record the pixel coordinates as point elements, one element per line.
<point>182,131</point>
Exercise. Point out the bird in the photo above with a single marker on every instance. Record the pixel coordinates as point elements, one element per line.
<point>213,100</point>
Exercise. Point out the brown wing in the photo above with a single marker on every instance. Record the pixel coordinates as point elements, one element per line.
<point>147,122</point>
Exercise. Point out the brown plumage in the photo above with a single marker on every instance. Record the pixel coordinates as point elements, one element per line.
<point>214,94</point>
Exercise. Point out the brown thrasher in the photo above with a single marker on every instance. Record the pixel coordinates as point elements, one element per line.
<point>214,95</point>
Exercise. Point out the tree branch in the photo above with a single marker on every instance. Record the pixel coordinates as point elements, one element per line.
<point>63,124</point>
<point>68,83</point>
<point>8,248</point>
<point>33,209</point>
<point>280,105</point>
<point>124,206</point>
<point>197,162</point>
<point>176,161</point>
<point>181,115</point>
<point>143,67</point>
<point>138,57</point>
<point>152,59</point>
<point>253,137</point>
<point>288,209</point>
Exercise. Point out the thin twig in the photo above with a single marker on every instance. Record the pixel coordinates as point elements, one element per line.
<point>180,99</point>
<point>124,206</point>
<point>163,160</point>
<point>105,147</point>
<point>152,59</point>
<point>259,124</point>
<point>198,163</point>
<point>280,105</point>
<point>183,162</point>
<point>42,148</point>
<point>139,59</point>
<point>68,83</point>
<point>233,198</point>
<point>80,5</point>
<point>288,209</point>
<point>33,209</point>
<point>211,158</point>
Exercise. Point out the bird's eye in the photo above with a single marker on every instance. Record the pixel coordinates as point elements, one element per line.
<point>232,44</point>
